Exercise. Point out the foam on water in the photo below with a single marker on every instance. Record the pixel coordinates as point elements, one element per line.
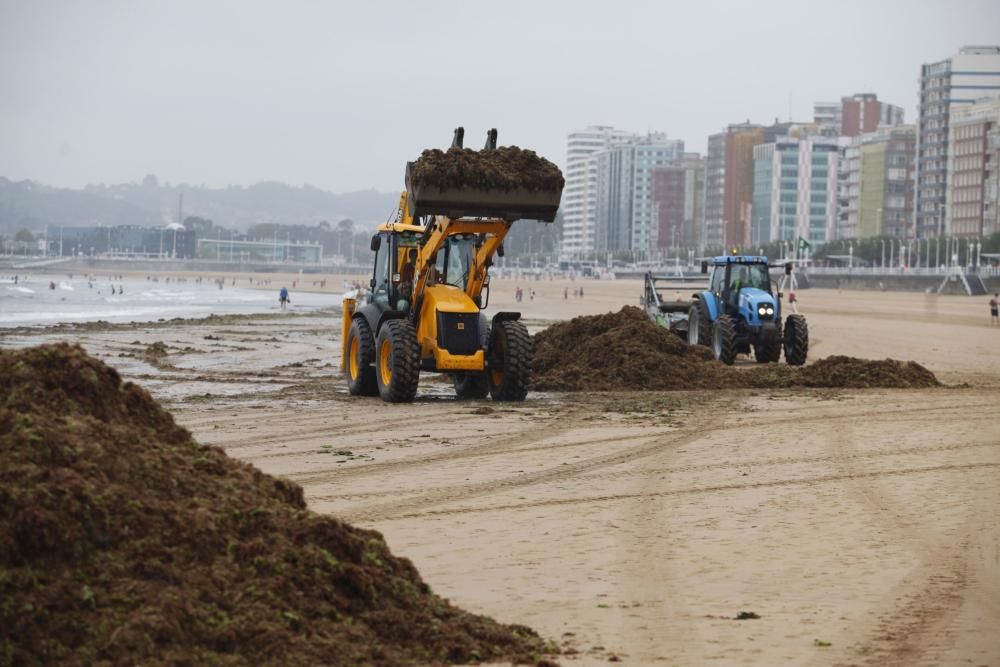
<point>85,301</point>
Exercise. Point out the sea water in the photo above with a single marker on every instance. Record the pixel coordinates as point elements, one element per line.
<point>31,301</point>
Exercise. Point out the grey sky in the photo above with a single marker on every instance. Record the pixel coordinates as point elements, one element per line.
<point>340,95</point>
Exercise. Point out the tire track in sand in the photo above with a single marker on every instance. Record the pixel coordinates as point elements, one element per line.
<point>919,619</point>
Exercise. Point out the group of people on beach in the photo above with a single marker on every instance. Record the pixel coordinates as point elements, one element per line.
<point>519,294</point>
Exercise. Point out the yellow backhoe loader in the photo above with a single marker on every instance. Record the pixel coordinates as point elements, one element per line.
<point>430,285</point>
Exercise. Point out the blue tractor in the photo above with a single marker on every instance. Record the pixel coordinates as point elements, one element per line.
<point>741,312</point>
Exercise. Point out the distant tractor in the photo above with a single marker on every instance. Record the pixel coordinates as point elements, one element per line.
<point>740,312</point>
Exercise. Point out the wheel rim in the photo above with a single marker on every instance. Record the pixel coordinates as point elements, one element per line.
<point>385,362</point>
<point>352,355</point>
<point>717,342</point>
<point>693,327</point>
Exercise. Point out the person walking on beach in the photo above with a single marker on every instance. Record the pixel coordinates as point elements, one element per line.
<point>995,310</point>
<point>283,298</point>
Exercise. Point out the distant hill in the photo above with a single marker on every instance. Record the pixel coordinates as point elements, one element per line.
<point>33,205</point>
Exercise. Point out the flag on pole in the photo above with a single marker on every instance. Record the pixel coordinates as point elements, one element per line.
<point>804,245</point>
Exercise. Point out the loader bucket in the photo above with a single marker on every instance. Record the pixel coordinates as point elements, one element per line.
<point>508,183</point>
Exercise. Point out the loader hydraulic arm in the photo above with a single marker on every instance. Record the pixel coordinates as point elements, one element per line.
<point>437,234</point>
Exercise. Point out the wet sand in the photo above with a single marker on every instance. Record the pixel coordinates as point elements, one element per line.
<point>636,525</point>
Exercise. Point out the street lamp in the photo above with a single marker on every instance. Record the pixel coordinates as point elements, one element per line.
<point>882,262</point>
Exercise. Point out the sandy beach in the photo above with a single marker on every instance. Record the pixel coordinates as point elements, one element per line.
<point>859,525</point>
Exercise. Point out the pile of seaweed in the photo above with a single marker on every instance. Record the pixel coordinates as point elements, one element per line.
<point>628,351</point>
<point>123,540</point>
<point>505,168</point>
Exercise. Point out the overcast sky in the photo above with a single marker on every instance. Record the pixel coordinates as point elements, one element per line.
<point>341,94</point>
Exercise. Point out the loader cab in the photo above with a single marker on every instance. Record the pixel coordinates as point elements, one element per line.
<point>393,251</point>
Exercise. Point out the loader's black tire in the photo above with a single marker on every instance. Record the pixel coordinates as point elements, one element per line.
<point>796,340</point>
<point>724,339</point>
<point>702,325</point>
<point>360,366</point>
<point>397,361</point>
<point>509,361</point>
<point>769,353</point>
<point>471,386</point>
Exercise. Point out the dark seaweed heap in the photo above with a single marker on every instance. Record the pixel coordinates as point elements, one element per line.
<point>122,540</point>
<point>506,168</point>
<point>628,351</point>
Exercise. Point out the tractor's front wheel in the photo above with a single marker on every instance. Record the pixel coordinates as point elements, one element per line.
<point>509,357</point>
<point>397,361</point>
<point>796,340</point>
<point>724,339</point>
<point>769,353</point>
<point>360,358</point>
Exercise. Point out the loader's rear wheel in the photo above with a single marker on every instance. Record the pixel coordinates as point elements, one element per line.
<point>398,361</point>
<point>509,358</point>
<point>360,370</point>
<point>699,325</point>
<point>724,339</point>
<point>769,353</point>
<point>796,340</point>
<point>472,385</point>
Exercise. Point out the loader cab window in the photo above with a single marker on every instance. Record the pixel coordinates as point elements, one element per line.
<point>460,250</point>
<point>380,280</point>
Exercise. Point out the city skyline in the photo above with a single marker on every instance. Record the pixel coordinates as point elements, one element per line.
<point>329,97</point>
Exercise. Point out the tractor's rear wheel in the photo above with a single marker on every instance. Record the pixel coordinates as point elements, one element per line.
<point>471,386</point>
<point>360,369</point>
<point>769,353</point>
<point>699,325</point>
<point>509,358</point>
<point>397,361</point>
<point>724,339</point>
<point>796,340</point>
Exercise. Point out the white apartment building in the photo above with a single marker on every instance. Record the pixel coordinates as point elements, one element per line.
<point>579,200</point>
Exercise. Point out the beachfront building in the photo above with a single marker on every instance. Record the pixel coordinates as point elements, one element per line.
<point>971,208</point>
<point>876,183</point>
<point>946,86</point>
<point>729,184</point>
<point>269,251</point>
<point>855,115</point>
<point>795,190</point>
<point>579,199</point>
<point>678,192</point>
<point>624,218</point>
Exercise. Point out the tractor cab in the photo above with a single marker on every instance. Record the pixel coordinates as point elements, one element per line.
<point>742,285</point>
<point>740,313</point>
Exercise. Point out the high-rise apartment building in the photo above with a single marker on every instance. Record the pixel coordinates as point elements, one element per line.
<point>795,190</point>
<point>729,184</point>
<point>624,217</point>
<point>887,182</point>
<point>973,73</point>
<point>678,192</point>
<point>973,170</point>
<point>876,183</point>
<point>849,188</point>
<point>579,198</point>
<point>854,115</point>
